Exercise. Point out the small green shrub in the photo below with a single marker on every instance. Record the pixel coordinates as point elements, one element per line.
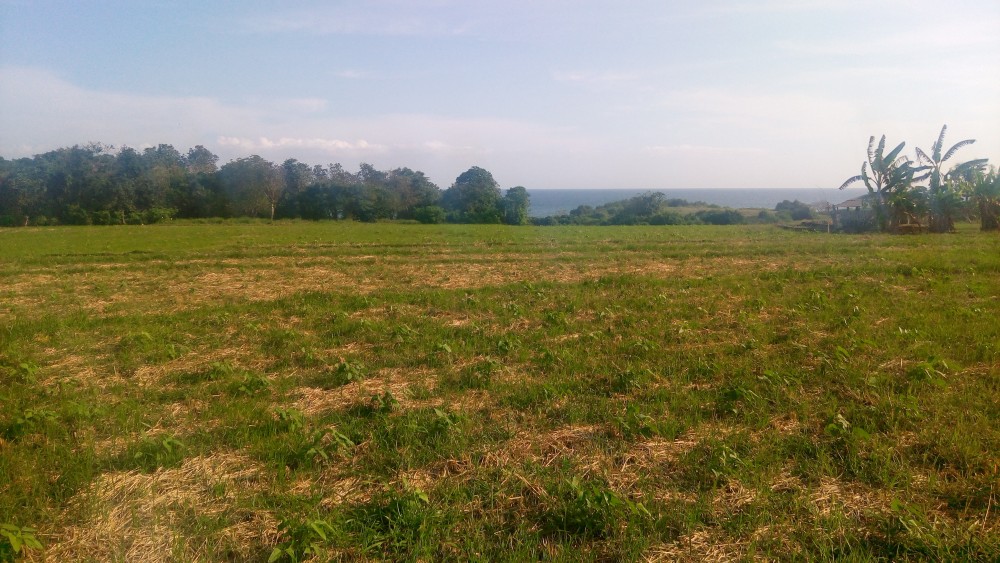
<point>252,383</point>
<point>634,424</point>
<point>309,446</point>
<point>153,453</point>
<point>16,541</point>
<point>28,421</point>
<point>303,540</point>
<point>290,419</point>
<point>397,524</point>
<point>587,509</point>
<point>343,373</point>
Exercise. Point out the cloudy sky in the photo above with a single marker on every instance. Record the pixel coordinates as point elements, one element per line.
<point>543,93</point>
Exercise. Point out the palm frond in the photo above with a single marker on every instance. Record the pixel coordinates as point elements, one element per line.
<point>891,157</point>
<point>850,181</point>
<point>936,148</point>
<point>921,173</point>
<point>866,178</point>
<point>957,146</point>
<point>967,168</point>
<point>871,148</point>
<point>922,157</point>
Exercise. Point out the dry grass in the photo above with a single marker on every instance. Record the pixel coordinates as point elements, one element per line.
<point>110,289</point>
<point>852,500</point>
<point>702,545</point>
<point>314,400</point>
<point>133,516</point>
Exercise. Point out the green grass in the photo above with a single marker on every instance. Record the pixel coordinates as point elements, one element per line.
<point>419,392</point>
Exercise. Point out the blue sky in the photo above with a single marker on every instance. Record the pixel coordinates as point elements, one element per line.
<point>543,93</point>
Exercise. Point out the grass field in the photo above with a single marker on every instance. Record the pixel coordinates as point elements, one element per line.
<point>404,392</point>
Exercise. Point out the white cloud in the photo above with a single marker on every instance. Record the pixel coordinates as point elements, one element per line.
<point>40,111</point>
<point>924,41</point>
<point>332,146</point>
<point>351,74</point>
<point>43,111</point>
<point>686,149</point>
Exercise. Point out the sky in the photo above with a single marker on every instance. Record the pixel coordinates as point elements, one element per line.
<point>639,94</point>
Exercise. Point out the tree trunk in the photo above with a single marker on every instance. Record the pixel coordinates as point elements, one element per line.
<point>989,214</point>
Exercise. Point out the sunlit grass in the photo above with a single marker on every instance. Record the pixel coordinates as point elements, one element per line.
<point>480,392</point>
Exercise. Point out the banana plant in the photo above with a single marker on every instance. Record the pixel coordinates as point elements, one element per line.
<point>889,179</point>
<point>986,191</point>
<point>944,199</point>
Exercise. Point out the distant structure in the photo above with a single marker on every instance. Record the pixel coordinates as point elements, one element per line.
<point>854,215</point>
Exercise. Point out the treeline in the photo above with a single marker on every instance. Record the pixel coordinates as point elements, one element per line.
<point>650,208</point>
<point>96,184</point>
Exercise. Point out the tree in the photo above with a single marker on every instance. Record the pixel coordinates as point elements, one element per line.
<point>636,210</point>
<point>412,190</point>
<point>253,184</point>
<point>796,209</point>
<point>200,160</point>
<point>986,191</point>
<point>164,175</point>
<point>473,198</point>
<point>22,192</point>
<point>944,200</point>
<point>515,206</point>
<point>297,177</point>
<point>890,185</point>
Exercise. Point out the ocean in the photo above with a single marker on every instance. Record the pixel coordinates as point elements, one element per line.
<point>545,202</point>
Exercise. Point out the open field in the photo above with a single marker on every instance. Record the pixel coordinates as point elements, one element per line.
<point>380,391</point>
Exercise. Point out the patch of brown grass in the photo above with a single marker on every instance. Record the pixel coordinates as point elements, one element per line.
<point>701,545</point>
<point>313,400</point>
<point>133,516</point>
<point>852,499</point>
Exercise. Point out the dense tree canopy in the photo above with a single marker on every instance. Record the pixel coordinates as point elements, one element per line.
<point>473,198</point>
<point>96,184</point>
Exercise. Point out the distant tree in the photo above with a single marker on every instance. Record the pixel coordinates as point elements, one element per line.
<point>254,185</point>
<point>986,191</point>
<point>636,210</point>
<point>200,160</point>
<point>796,209</point>
<point>77,180</point>
<point>412,190</point>
<point>297,176</point>
<point>336,173</point>
<point>889,179</point>
<point>164,175</point>
<point>473,198</point>
<point>429,214</point>
<point>22,192</point>
<point>944,201</point>
<point>720,217</point>
<point>377,200</point>
<point>515,206</point>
